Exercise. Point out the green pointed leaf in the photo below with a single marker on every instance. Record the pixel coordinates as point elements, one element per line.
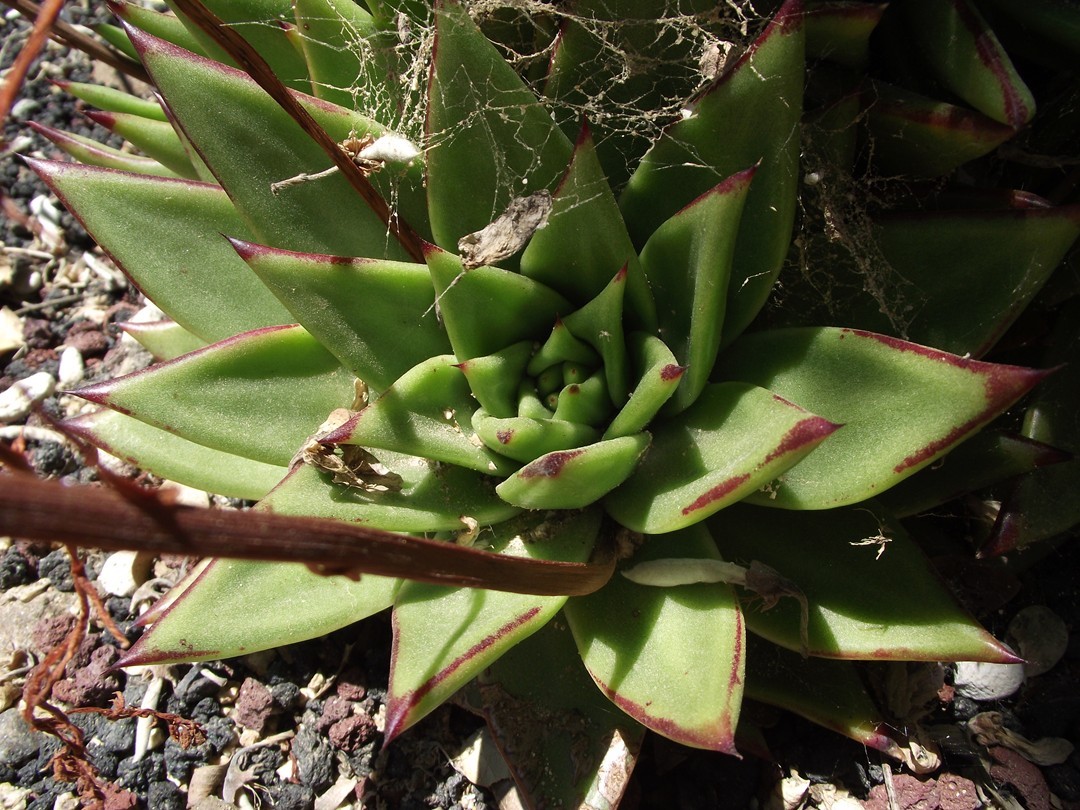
<point>262,23</point>
<point>829,693</point>
<point>258,395</point>
<point>169,456</point>
<point>563,743</point>
<point>443,637</point>
<point>494,378</point>
<point>427,413</point>
<point>913,134</point>
<point>755,106</point>
<point>524,439</point>
<point>488,132</point>
<point>659,377</point>
<point>902,406</point>
<point>317,216</point>
<point>351,62</point>
<point>860,606</point>
<point>360,309</point>
<point>585,241</point>
<point>187,269</point>
<point>166,340</point>
<point>485,309</point>
<point>688,263</point>
<point>237,607</point>
<point>433,497</point>
<point>840,32</point>
<point>732,441</point>
<point>966,57</point>
<point>600,324</point>
<point>157,139</point>
<point>113,100</point>
<point>671,658</point>
<point>88,151</point>
<point>571,479</point>
<point>163,26</point>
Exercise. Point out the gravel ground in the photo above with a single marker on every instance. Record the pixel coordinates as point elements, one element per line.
<point>301,727</point>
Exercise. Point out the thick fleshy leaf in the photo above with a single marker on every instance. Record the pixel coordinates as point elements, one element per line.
<point>351,62</point>
<point>495,378</point>
<point>585,241</point>
<point>524,439</point>
<point>755,106</point>
<point>258,395</point>
<point>955,280</point>
<point>658,378</point>
<point>671,658</point>
<point>157,139</point>
<point>732,441</point>
<point>376,316</point>
<point>1044,502</point>
<point>488,132</point>
<point>688,262</point>
<point>485,310</point>
<point>840,32</point>
<point>88,151</point>
<point>860,606</point>
<point>829,693</point>
<point>600,324</point>
<point>966,57</point>
<point>572,479</point>
<point>166,340</point>
<point>563,743</point>
<point>986,459</point>
<point>318,216</point>
<point>1047,19</point>
<point>174,458</point>
<point>163,26</point>
<point>260,22</point>
<point>444,636</point>
<point>912,134</point>
<point>113,100</point>
<point>432,497</point>
<point>902,406</point>
<point>187,269</point>
<point>237,607</point>
<point>427,413</point>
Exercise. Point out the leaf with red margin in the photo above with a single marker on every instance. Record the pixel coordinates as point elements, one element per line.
<point>732,441</point>
<point>840,32</point>
<point>375,315</point>
<point>258,395</point>
<point>187,269</point>
<point>444,636</point>
<point>749,116</point>
<point>966,57</point>
<point>90,152</point>
<point>154,138</point>
<point>860,606</point>
<point>902,406</point>
<point>166,340</point>
<point>672,658</point>
<point>563,743</point>
<point>829,693</point>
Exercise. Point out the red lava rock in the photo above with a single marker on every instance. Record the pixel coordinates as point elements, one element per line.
<point>89,343</point>
<point>37,333</point>
<point>353,732</point>
<point>253,705</point>
<point>334,710</point>
<point>350,685</point>
<point>93,684</point>
<point>50,631</point>
<point>957,793</point>
<point>1023,776</point>
<point>911,794</point>
<point>36,358</point>
<point>117,798</point>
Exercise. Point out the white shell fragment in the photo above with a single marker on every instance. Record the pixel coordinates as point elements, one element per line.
<point>1041,637</point>
<point>71,367</point>
<point>16,401</point>
<point>390,148</point>
<point>123,572</point>
<point>982,681</point>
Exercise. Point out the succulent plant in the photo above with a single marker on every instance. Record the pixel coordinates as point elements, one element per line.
<point>508,279</point>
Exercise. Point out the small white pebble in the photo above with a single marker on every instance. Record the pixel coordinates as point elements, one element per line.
<point>982,681</point>
<point>44,208</point>
<point>123,572</point>
<point>71,367</point>
<point>16,401</point>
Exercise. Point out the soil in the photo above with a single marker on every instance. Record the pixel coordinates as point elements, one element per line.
<point>300,727</point>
